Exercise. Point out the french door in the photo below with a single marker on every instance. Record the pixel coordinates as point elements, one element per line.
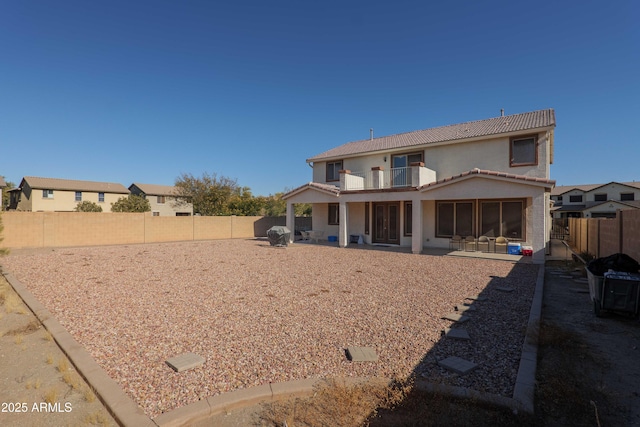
<point>386,220</point>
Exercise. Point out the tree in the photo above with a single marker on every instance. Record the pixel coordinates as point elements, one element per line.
<point>5,194</point>
<point>3,251</point>
<point>88,206</point>
<point>209,194</point>
<point>131,203</point>
<point>245,204</point>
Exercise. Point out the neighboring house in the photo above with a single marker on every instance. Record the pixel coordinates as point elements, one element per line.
<point>162,199</point>
<point>594,200</point>
<point>63,195</point>
<point>418,189</point>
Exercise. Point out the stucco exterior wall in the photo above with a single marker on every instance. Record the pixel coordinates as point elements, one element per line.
<point>450,159</point>
<point>62,201</point>
<point>169,207</point>
<point>612,191</point>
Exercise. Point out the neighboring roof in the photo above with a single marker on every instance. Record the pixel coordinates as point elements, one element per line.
<point>562,189</point>
<point>325,188</point>
<point>156,190</point>
<point>74,185</point>
<point>490,174</point>
<point>496,126</point>
<point>577,208</point>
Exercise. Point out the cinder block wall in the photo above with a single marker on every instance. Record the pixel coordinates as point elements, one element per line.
<point>58,229</point>
<point>167,228</point>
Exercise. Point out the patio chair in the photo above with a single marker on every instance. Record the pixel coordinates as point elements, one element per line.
<point>483,241</point>
<point>455,242</point>
<point>469,242</point>
<point>502,243</point>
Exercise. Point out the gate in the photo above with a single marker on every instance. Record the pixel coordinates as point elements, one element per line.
<point>560,228</point>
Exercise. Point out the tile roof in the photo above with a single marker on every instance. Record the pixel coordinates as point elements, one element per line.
<point>328,188</point>
<point>156,190</point>
<point>511,176</point>
<point>588,205</point>
<point>561,189</point>
<point>499,125</point>
<point>74,185</point>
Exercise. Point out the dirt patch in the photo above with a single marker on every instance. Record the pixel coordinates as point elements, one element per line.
<point>588,368</point>
<point>38,384</point>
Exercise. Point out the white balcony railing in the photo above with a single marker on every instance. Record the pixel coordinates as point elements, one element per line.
<point>381,179</point>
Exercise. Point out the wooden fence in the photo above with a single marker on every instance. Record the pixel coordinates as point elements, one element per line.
<point>601,237</point>
<point>59,229</point>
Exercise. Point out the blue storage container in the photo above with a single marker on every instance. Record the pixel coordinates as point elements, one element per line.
<point>513,248</point>
<point>332,238</point>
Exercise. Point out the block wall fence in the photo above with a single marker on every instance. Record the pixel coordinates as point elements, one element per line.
<point>603,237</point>
<point>60,229</point>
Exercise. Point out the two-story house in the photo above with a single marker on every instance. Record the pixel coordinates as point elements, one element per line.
<point>595,200</point>
<point>419,189</point>
<point>37,194</point>
<point>162,199</point>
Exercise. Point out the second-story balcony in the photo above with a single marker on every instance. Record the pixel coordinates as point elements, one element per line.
<point>379,179</point>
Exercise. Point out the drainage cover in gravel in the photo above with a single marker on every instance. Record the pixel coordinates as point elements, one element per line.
<point>361,354</point>
<point>185,362</point>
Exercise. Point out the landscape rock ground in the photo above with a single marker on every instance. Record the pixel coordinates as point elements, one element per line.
<point>588,371</point>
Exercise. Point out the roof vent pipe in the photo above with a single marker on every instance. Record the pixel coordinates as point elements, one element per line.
<point>371,134</point>
<point>502,112</point>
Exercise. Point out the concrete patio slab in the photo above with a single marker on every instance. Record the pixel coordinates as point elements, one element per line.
<point>456,317</point>
<point>455,333</point>
<point>458,365</point>
<point>361,354</point>
<point>184,362</point>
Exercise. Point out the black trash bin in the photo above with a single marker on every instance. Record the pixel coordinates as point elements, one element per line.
<point>614,284</point>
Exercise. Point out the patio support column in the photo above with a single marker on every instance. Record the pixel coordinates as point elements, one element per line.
<point>343,236</point>
<point>416,227</point>
<point>291,221</point>
<point>539,229</point>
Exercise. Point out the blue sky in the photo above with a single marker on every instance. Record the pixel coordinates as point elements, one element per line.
<point>143,91</point>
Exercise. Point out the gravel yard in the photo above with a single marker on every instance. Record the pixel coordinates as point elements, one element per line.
<point>259,314</point>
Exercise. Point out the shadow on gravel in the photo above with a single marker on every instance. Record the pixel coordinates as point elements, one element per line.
<point>493,358</point>
<point>493,355</point>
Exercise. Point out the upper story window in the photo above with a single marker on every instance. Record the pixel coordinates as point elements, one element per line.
<point>523,151</point>
<point>600,197</point>
<point>78,196</point>
<point>333,171</point>
<point>575,199</point>
<point>101,197</point>
<point>161,200</point>
<point>47,194</point>
<point>405,160</point>
<point>627,197</point>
